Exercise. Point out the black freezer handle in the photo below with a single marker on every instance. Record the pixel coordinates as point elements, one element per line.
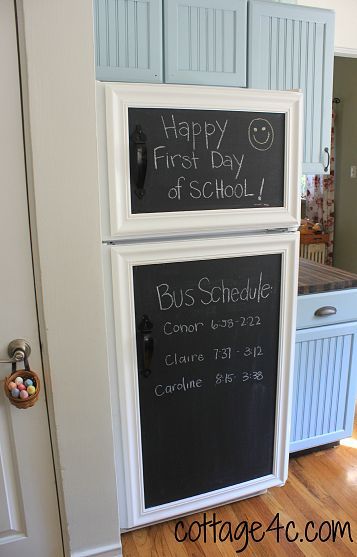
<point>138,161</point>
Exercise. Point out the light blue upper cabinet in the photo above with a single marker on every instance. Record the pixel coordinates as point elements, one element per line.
<point>128,40</point>
<point>292,47</point>
<point>205,42</point>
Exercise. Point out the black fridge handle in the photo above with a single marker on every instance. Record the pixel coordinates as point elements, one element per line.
<point>139,161</point>
<point>145,329</point>
<point>148,346</point>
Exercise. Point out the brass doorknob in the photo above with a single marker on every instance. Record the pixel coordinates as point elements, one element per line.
<point>18,349</point>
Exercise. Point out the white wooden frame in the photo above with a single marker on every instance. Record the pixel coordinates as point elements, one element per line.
<point>124,258</point>
<point>120,97</point>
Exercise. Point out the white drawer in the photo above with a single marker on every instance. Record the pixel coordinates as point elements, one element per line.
<point>342,304</point>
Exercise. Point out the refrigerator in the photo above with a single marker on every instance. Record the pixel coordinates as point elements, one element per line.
<point>200,210</point>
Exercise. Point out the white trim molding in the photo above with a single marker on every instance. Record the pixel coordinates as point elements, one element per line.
<point>124,258</point>
<point>116,172</point>
<point>103,551</point>
<point>345,52</point>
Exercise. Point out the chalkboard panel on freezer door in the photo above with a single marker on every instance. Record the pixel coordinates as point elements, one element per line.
<point>205,160</point>
<point>183,159</point>
<point>203,340</point>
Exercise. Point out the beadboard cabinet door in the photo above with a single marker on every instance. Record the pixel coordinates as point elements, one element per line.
<point>128,40</point>
<point>324,385</point>
<point>205,42</point>
<point>291,47</point>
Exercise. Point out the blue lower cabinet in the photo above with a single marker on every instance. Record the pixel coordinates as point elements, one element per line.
<point>128,40</point>
<point>324,385</point>
<point>205,42</point>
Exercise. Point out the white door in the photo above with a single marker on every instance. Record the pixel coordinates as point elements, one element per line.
<point>29,516</point>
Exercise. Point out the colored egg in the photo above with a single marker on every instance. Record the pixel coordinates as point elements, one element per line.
<point>28,382</point>
<point>31,390</point>
<point>15,393</point>
<point>12,385</point>
<point>19,380</point>
<point>21,387</point>
<point>24,394</point>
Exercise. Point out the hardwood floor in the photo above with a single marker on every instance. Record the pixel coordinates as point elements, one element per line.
<point>322,486</point>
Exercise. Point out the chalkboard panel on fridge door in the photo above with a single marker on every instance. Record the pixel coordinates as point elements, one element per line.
<point>184,159</point>
<point>194,160</point>
<point>207,337</point>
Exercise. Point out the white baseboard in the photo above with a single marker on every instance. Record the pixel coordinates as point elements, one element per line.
<point>346,52</point>
<point>103,551</point>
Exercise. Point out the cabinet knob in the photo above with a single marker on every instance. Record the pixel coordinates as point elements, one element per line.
<point>325,311</point>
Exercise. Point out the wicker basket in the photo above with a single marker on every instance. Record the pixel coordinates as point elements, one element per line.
<point>23,402</point>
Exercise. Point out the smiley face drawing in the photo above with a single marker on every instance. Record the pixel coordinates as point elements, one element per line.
<point>260,134</point>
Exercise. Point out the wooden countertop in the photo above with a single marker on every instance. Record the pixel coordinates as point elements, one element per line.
<point>315,278</point>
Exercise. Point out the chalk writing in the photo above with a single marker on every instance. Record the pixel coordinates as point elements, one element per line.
<point>179,359</point>
<point>207,292</point>
<point>191,131</point>
<point>213,356</point>
<point>261,134</point>
<point>207,159</point>
<point>181,328</point>
<point>183,385</point>
<point>229,377</point>
<point>232,376</point>
<point>222,353</point>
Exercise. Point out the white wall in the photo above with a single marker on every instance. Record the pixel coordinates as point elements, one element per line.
<point>60,95</point>
<point>346,20</point>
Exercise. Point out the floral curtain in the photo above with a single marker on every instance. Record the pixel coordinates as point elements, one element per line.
<point>320,198</point>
